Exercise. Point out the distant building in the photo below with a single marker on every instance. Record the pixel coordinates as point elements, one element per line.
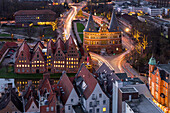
<point>54,58</point>
<point>4,84</point>
<point>159,84</point>
<point>10,101</point>
<point>105,40</point>
<point>23,18</point>
<point>162,24</point>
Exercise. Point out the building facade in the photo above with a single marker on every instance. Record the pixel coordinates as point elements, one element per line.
<point>54,58</point>
<point>159,84</point>
<point>105,40</point>
<point>25,17</point>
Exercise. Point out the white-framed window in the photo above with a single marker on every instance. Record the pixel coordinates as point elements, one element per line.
<point>52,108</point>
<point>47,108</point>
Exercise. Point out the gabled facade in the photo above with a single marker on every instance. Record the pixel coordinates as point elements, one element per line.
<point>92,96</point>
<point>23,56</point>
<point>72,56</point>
<point>59,57</point>
<point>68,94</point>
<point>54,58</point>
<point>38,62</point>
<point>107,40</point>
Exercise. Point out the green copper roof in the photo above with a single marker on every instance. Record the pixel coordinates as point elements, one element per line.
<point>152,61</point>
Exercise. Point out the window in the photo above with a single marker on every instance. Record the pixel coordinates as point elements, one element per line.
<point>98,102</point>
<point>157,80</point>
<point>104,102</point>
<point>90,111</point>
<point>52,108</point>
<point>104,109</point>
<point>98,110</point>
<point>90,104</point>
<point>68,107</point>
<point>47,108</point>
<point>22,70</point>
<point>32,106</point>
<point>71,100</point>
<point>100,95</point>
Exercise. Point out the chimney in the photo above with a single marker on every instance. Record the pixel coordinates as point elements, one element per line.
<point>9,85</point>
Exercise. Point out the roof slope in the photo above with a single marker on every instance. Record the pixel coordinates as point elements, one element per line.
<point>59,44</point>
<point>25,48</point>
<point>11,96</point>
<point>90,25</point>
<point>66,85</point>
<point>34,12</point>
<point>88,78</point>
<point>38,44</point>
<point>113,27</point>
<point>70,42</point>
<point>30,101</point>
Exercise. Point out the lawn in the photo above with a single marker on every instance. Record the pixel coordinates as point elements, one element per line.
<point>5,35</point>
<point>80,27</point>
<point>11,74</point>
<point>81,37</point>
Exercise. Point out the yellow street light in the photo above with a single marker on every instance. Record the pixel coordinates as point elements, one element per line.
<point>127,29</point>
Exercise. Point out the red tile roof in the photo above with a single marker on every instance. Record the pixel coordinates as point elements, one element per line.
<point>11,44</point>
<point>29,102</point>
<point>67,87</point>
<point>25,48</point>
<point>70,42</point>
<point>59,44</point>
<point>40,51</point>
<point>38,44</point>
<point>34,12</point>
<point>88,78</point>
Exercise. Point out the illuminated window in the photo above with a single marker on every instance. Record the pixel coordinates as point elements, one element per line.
<point>25,65</point>
<point>71,62</point>
<point>25,60</point>
<point>54,65</point>
<point>22,65</point>
<point>117,49</point>
<point>71,58</point>
<point>32,65</point>
<point>40,61</point>
<point>19,60</point>
<point>54,61</point>
<point>63,65</point>
<point>49,60</point>
<point>49,56</point>
<point>34,61</point>
<point>28,65</point>
<point>104,109</point>
<point>22,61</point>
<point>17,65</point>
<point>58,65</point>
<point>37,65</point>
<point>67,62</point>
<point>37,61</point>
<point>58,61</point>
<point>43,65</point>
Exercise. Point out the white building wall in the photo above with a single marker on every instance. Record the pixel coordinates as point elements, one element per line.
<point>69,103</point>
<point>128,109</point>
<point>97,91</point>
<point>33,108</point>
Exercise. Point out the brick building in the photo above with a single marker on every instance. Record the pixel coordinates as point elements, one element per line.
<point>25,17</point>
<point>159,84</point>
<point>105,40</point>
<point>54,58</point>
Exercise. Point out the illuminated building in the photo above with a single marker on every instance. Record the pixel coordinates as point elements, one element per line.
<point>159,84</point>
<point>24,18</point>
<point>54,58</point>
<point>105,40</point>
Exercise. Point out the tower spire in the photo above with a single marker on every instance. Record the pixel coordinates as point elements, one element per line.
<point>114,26</point>
<point>90,25</point>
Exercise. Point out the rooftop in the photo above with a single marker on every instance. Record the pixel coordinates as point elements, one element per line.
<point>165,67</point>
<point>143,105</point>
<point>128,90</point>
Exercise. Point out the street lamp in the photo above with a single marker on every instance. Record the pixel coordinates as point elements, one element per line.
<point>127,29</point>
